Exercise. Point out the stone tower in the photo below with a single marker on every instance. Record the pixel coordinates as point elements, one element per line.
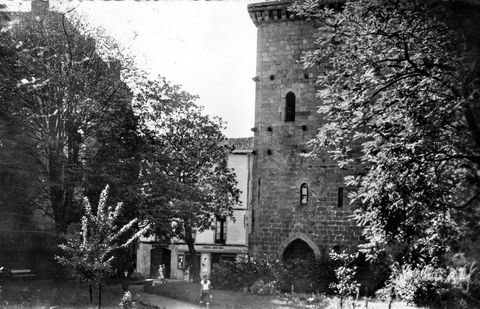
<point>299,205</point>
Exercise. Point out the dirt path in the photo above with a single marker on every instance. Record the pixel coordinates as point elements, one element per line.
<point>161,301</point>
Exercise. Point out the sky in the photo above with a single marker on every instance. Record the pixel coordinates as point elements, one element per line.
<point>207,47</point>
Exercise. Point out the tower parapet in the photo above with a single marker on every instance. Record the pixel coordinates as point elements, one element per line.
<point>270,11</point>
<point>273,11</point>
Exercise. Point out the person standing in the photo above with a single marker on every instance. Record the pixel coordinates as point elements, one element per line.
<point>205,286</point>
<point>164,280</point>
<point>161,276</point>
<point>125,280</point>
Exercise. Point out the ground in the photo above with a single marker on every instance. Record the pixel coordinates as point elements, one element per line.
<point>41,294</point>
<point>46,294</point>
<point>190,293</point>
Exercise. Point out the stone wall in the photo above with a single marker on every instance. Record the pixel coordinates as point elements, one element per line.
<point>280,167</point>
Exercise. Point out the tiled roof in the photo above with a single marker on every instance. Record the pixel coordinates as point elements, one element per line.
<point>241,143</point>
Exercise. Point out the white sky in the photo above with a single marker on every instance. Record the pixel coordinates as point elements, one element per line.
<point>208,47</point>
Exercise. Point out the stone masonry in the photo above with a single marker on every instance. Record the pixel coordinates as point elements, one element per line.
<point>279,167</point>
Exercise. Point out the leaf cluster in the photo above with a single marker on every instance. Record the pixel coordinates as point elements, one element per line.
<point>396,84</point>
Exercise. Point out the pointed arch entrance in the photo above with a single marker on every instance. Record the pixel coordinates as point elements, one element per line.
<point>298,246</point>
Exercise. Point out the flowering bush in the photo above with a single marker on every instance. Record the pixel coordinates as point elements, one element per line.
<point>421,286</point>
<point>345,273</point>
<point>127,301</point>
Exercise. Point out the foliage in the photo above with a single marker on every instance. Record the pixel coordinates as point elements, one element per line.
<point>398,90</point>
<point>345,273</point>
<point>88,255</point>
<point>65,101</point>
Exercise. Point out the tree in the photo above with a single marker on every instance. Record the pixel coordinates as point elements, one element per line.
<point>187,181</point>
<point>399,92</point>
<point>60,95</point>
<point>88,255</point>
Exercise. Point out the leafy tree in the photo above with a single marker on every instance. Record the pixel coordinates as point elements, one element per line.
<point>187,181</point>
<point>399,92</point>
<point>60,95</point>
<point>88,255</point>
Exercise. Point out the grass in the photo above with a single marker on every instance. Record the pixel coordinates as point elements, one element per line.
<point>222,299</point>
<point>190,292</point>
<point>42,294</point>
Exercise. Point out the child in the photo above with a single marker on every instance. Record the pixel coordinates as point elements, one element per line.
<point>205,290</point>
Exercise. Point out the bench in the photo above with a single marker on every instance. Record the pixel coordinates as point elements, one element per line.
<point>22,273</point>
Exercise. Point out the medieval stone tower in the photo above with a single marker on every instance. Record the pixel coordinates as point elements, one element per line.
<point>299,205</point>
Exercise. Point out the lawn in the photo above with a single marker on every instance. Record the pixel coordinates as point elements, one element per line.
<point>41,294</point>
<point>222,299</point>
<point>190,292</point>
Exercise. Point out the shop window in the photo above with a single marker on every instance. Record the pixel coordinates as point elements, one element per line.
<point>180,261</point>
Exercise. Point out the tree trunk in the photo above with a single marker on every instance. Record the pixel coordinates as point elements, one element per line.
<point>90,292</point>
<point>65,173</point>
<point>195,273</point>
<point>99,295</point>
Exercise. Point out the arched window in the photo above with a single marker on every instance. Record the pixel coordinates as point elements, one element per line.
<point>304,194</point>
<point>290,107</point>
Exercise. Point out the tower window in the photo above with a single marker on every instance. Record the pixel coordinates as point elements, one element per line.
<point>340,197</point>
<point>253,220</point>
<point>290,107</point>
<point>304,194</point>
<point>220,230</point>
<point>258,189</point>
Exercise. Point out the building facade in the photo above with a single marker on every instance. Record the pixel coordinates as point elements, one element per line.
<point>299,204</point>
<point>227,238</point>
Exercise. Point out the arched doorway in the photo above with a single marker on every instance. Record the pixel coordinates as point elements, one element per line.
<point>298,249</point>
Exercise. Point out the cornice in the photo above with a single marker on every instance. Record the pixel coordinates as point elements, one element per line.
<point>271,11</point>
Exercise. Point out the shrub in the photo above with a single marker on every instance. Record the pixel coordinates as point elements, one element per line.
<point>261,287</point>
<point>225,275</point>
<point>422,286</point>
<point>303,275</point>
<point>432,287</point>
<point>243,272</point>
